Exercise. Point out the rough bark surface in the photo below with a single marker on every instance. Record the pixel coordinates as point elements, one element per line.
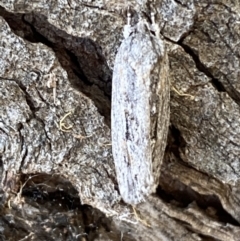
<point>57,175</point>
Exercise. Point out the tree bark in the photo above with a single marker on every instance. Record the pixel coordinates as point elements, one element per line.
<point>58,177</point>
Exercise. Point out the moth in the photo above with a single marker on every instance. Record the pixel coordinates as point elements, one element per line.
<point>140,110</point>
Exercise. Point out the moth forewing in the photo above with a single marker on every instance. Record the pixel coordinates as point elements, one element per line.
<point>140,113</point>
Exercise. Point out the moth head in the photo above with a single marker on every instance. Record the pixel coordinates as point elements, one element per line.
<point>142,25</point>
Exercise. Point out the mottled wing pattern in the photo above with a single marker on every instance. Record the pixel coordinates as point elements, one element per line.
<point>140,113</point>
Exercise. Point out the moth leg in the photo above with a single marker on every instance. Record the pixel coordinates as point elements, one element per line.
<point>127,28</point>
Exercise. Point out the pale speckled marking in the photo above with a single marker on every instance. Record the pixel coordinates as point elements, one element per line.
<point>140,112</point>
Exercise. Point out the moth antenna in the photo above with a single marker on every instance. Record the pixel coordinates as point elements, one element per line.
<point>127,28</point>
<point>128,16</point>
<point>153,17</point>
<point>155,26</point>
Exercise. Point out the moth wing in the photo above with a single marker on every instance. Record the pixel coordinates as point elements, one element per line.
<point>133,100</point>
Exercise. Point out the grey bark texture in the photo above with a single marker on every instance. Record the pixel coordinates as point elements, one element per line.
<point>58,180</point>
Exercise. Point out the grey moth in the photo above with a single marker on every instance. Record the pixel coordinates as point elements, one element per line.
<point>140,111</point>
